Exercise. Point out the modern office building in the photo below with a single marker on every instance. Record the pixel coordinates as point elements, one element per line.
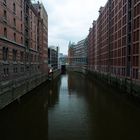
<point>78,53</point>
<point>71,53</point>
<point>53,57</point>
<point>63,59</point>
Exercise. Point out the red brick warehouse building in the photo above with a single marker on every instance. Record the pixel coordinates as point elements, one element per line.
<point>42,36</point>
<point>11,37</point>
<point>136,39</point>
<point>20,45</point>
<point>116,44</point>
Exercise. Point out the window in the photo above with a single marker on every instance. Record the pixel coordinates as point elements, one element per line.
<point>124,41</point>
<point>135,60</point>
<point>27,57</point>
<point>135,1</point>
<point>137,38</point>
<point>31,14</point>
<point>136,48</point>
<point>136,35</point>
<point>135,73</point>
<point>129,15</point>
<point>14,8</point>
<point>124,1</point>
<point>21,40</point>
<point>129,3</point>
<point>4,2</point>
<point>14,20</point>
<point>31,57</point>
<point>31,44</point>
<point>14,55</point>
<point>124,10</point>
<point>21,28</point>
<point>21,15</point>
<point>135,23</point>
<point>124,20</point>
<point>31,24</point>
<point>138,22</point>
<point>5,32</point>
<point>5,15</point>
<point>21,56</point>
<point>21,3</point>
<point>15,70</point>
<point>14,36</point>
<point>26,43</point>
<point>7,70</point>
<point>35,58</point>
<point>124,30</point>
<point>5,53</point>
<point>22,69</point>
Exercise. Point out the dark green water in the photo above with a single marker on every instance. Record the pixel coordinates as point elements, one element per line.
<point>71,108</point>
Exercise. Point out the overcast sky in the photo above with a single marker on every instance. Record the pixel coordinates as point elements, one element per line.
<point>70,20</point>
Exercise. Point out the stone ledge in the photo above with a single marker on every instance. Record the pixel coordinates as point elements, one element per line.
<point>12,90</point>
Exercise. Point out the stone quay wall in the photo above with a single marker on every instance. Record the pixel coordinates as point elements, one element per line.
<point>14,89</point>
<point>124,85</point>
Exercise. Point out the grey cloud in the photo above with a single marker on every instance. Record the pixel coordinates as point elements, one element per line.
<point>70,19</point>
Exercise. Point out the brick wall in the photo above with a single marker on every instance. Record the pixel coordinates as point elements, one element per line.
<point>21,47</point>
<point>117,40</point>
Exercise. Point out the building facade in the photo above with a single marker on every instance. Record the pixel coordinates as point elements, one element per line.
<point>12,48</point>
<point>92,51</point>
<point>42,36</point>
<point>21,50</point>
<point>135,39</point>
<point>53,57</point>
<point>114,40</point>
<point>71,53</point>
<point>78,53</point>
<point>62,59</point>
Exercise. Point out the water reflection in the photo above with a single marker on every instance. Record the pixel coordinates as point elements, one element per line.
<point>27,119</point>
<point>110,115</point>
<point>53,92</point>
<point>74,108</point>
<point>68,119</point>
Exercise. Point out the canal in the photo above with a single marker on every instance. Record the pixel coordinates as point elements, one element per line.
<point>71,107</point>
